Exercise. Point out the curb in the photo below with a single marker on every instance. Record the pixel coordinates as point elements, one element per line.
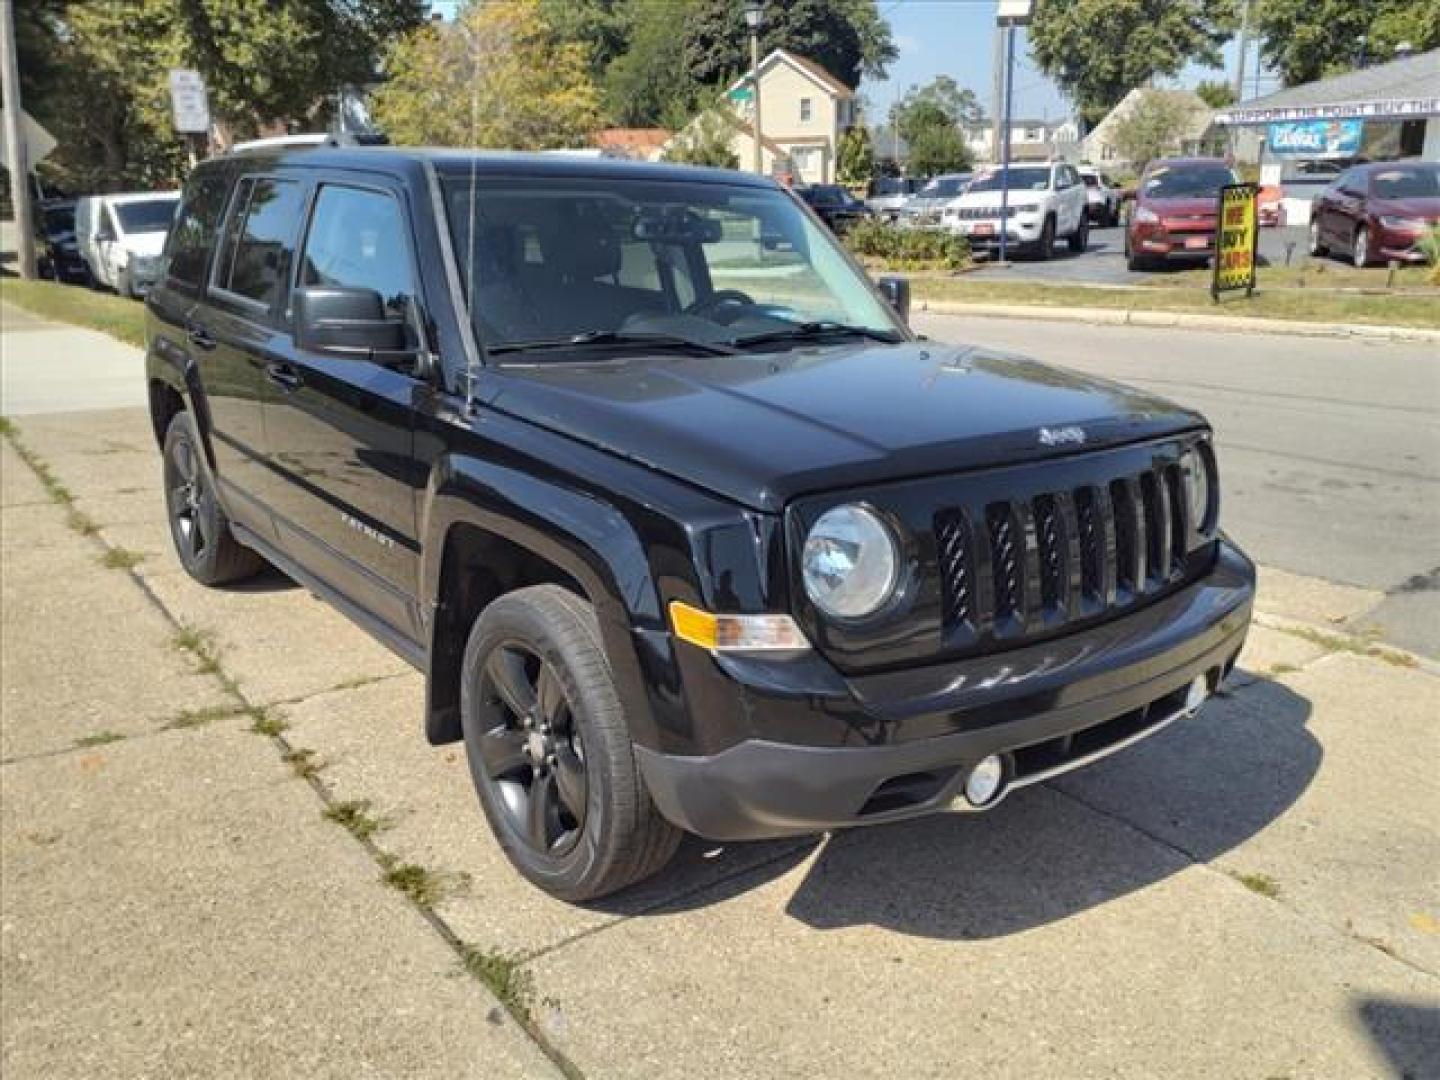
<point>1186,320</point>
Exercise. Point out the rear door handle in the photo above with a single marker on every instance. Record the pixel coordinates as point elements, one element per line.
<point>283,376</point>
<point>200,338</point>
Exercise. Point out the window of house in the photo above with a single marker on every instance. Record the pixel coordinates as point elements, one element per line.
<point>261,240</point>
<point>804,110</point>
<point>1034,134</point>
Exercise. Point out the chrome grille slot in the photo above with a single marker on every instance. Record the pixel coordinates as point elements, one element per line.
<point>1156,515</point>
<point>1005,556</point>
<point>1049,536</point>
<point>955,547</point>
<point>1129,559</point>
<point>1088,518</point>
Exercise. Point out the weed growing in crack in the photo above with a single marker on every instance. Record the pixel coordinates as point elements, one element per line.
<point>305,762</point>
<point>1263,884</point>
<point>100,738</point>
<point>505,975</point>
<point>192,718</point>
<point>355,817</point>
<point>264,721</point>
<point>119,558</point>
<point>424,887</point>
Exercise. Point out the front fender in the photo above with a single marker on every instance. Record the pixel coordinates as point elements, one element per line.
<point>586,538</point>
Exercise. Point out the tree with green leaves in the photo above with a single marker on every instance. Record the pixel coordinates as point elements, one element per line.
<point>604,27</point>
<point>1155,127</point>
<point>1100,50</point>
<point>648,85</point>
<point>848,38</point>
<point>1304,40</point>
<point>496,77</point>
<point>1217,93</point>
<point>942,99</point>
<point>707,141</point>
<point>937,149</point>
<point>855,157</point>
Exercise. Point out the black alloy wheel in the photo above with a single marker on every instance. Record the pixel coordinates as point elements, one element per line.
<point>532,750</point>
<point>198,526</point>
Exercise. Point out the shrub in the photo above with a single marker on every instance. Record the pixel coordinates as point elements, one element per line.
<point>1430,245</point>
<point>908,249</point>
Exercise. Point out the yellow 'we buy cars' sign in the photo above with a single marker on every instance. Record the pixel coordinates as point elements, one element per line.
<point>1237,232</point>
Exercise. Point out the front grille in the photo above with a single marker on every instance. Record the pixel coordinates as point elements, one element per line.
<point>1063,555</point>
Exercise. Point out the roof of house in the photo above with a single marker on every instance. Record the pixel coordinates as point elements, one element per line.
<point>1200,117</point>
<point>641,139</point>
<point>1413,78</point>
<point>807,67</point>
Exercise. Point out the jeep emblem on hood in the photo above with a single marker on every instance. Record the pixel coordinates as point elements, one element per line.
<point>1059,436</point>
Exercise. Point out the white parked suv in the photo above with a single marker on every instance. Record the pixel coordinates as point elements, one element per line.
<point>1045,202</point>
<point>120,237</point>
<point>1104,197</point>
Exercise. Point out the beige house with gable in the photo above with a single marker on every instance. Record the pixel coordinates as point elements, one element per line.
<point>803,112</point>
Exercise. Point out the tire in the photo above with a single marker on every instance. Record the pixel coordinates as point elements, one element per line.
<point>1135,263</point>
<point>1080,238</point>
<point>1360,248</point>
<point>198,527</point>
<point>1317,246</point>
<point>550,752</point>
<point>1045,246</point>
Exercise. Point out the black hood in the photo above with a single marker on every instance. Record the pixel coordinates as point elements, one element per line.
<point>763,428</point>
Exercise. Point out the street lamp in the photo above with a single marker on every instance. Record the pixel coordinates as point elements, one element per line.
<point>1010,14</point>
<point>755,19</point>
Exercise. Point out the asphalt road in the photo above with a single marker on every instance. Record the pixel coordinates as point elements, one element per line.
<point>1329,450</point>
<point>1103,261</point>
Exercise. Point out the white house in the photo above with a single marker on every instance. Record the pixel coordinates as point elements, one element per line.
<point>804,110</point>
<point>1099,146</point>
<point>1030,140</point>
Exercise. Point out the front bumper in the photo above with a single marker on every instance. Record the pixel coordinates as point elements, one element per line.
<point>1175,245</point>
<point>1044,709</point>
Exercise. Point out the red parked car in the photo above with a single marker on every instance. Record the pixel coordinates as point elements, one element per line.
<point>1174,213</point>
<point>1377,212</point>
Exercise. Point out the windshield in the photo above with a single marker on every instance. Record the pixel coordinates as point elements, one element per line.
<point>546,259</point>
<point>1020,180</point>
<point>1187,181</point>
<point>1090,181</point>
<point>60,219</point>
<point>944,187</point>
<point>151,215</point>
<point>1407,182</point>
<point>892,186</point>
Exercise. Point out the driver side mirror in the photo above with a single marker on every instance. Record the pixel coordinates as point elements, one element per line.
<point>349,324</point>
<point>896,290</point>
<point>104,235</point>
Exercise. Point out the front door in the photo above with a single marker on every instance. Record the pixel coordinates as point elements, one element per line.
<point>235,334</point>
<point>343,480</point>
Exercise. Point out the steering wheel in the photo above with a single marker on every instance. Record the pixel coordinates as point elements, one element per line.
<point>718,299</point>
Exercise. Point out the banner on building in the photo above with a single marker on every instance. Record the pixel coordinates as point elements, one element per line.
<point>1235,240</point>
<point>1315,138</point>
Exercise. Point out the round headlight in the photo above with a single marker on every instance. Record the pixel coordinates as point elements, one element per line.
<point>850,563</point>
<point>1197,487</point>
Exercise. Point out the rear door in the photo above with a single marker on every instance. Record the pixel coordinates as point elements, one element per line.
<point>343,480</point>
<point>236,334</point>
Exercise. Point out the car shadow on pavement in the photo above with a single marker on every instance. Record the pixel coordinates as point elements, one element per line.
<point>269,580</point>
<point>1407,1033</point>
<point>1188,795</point>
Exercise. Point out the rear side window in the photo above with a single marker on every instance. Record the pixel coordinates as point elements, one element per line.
<point>260,242</point>
<point>195,232</point>
<point>357,240</point>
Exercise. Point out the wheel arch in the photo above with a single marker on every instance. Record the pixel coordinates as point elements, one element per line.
<point>489,531</point>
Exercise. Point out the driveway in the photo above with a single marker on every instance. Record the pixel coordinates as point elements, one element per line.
<point>229,851</point>
<point>1103,261</point>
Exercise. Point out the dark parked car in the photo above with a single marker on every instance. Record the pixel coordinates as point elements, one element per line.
<point>1377,212</point>
<point>837,207</point>
<point>685,528</point>
<point>1174,214</point>
<point>57,252</point>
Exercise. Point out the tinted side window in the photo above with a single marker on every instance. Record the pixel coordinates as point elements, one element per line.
<point>357,239</point>
<point>195,232</point>
<point>261,241</point>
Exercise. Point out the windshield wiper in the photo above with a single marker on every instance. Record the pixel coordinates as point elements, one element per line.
<point>809,331</point>
<point>616,338</point>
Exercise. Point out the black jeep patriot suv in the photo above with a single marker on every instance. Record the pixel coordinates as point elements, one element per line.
<point>685,528</point>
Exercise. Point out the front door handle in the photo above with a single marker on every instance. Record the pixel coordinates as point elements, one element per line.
<point>200,338</point>
<point>283,376</point>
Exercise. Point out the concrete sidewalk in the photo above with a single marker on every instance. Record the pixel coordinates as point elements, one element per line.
<point>51,367</point>
<point>1252,894</point>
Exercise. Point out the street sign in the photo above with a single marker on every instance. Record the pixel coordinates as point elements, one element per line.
<point>1235,240</point>
<point>38,142</point>
<point>189,103</point>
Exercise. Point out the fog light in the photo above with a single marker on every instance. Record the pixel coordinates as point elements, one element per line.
<point>984,781</point>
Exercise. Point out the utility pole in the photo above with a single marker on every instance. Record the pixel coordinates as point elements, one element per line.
<point>15,155</point>
<point>1244,47</point>
<point>997,94</point>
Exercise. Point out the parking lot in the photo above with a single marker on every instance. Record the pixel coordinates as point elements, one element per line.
<point>1103,261</point>
<point>210,797</point>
